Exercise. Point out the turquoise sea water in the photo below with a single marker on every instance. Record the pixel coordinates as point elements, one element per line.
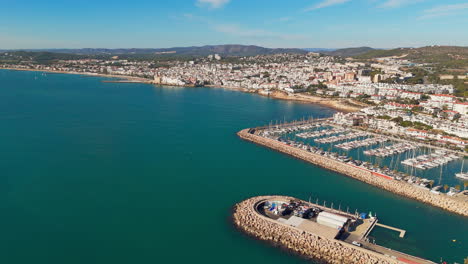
<point>96,172</point>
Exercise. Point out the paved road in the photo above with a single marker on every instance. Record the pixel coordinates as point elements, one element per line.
<point>397,255</point>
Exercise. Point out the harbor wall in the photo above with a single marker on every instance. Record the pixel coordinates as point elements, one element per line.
<point>445,202</point>
<point>306,244</point>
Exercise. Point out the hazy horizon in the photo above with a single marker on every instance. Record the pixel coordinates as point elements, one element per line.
<point>180,46</point>
<point>27,24</point>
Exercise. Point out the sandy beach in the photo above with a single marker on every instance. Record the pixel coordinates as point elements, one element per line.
<point>341,104</point>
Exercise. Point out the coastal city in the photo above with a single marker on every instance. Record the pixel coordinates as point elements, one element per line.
<point>428,112</point>
<point>234,131</point>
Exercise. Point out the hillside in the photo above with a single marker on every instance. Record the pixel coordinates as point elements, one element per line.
<point>38,57</point>
<point>348,52</point>
<point>226,50</point>
<point>449,60</point>
<point>430,54</point>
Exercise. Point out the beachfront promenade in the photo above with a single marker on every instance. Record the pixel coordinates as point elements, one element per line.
<point>452,204</point>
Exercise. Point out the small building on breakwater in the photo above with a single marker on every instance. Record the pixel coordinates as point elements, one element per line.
<point>315,232</point>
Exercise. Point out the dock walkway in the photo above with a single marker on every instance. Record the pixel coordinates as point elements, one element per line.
<point>402,232</point>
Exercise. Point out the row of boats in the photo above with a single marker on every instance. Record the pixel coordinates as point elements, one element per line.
<point>341,137</point>
<point>423,162</point>
<point>362,143</point>
<point>429,161</point>
<point>391,150</point>
<point>399,176</point>
<point>320,133</point>
<point>278,130</point>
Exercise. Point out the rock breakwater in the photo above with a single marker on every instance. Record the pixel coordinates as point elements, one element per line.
<point>306,244</point>
<point>398,187</point>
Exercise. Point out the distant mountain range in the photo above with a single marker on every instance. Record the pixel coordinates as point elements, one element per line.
<point>318,50</point>
<point>348,52</point>
<point>454,55</point>
<point>226,50</point>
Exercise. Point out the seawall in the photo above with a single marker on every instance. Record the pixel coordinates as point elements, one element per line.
<point>306,244</point>
<point>398,187</point>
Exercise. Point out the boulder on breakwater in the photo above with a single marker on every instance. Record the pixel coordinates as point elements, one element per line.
<point>306,244</point>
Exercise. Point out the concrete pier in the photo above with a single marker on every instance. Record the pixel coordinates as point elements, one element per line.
<point>309,244</point>
<point>402,232</point>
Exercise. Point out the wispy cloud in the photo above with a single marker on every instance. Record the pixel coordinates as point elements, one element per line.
<point>212,3</point>
<point>444,10</point>
<point>326,3</point>
<point>238,31</point>
<point>398,3</point>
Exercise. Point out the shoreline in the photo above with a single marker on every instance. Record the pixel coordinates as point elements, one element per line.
<point>336,104</point>
<point>451,204</point>
<point>124,78</point>
<point>342,105</point>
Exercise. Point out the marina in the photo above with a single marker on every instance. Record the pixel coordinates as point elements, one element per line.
<point>341,137</point>
<point>433,160</point>
<point>391,168</point>
<point>325,132</point>
<point>379,153</point>
<point>391,150</point>
<point>362,143</point>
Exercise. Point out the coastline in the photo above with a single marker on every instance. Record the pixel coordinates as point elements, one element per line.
<point>337,104</point>
<point>451,204</point>
<point>125,78</point>
<point>342,105</point>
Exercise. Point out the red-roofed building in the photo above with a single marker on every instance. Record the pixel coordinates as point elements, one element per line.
<point>410,95</point>
<point>417,133</point>
<point>454,140</point>
<point>441,100</point>
<point>461,108</point>
<point>393,105</point>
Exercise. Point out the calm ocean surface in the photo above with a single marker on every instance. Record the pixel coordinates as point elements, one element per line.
<point>97,173</point>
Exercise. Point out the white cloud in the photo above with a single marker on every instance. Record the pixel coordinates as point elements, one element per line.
<point>213,3</point>
<point>236,30</point>
<point>398,3</point>
<point>326,3</point>
<point>444,10</point>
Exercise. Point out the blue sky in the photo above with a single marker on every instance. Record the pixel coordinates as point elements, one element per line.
<point>270,23</point>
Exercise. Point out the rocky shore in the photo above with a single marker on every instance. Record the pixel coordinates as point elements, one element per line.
<point>308,245</point>
<point>445,202</point>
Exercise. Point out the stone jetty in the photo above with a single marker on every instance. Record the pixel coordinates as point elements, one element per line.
<point>306,244</point>
<point>452,204</point>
